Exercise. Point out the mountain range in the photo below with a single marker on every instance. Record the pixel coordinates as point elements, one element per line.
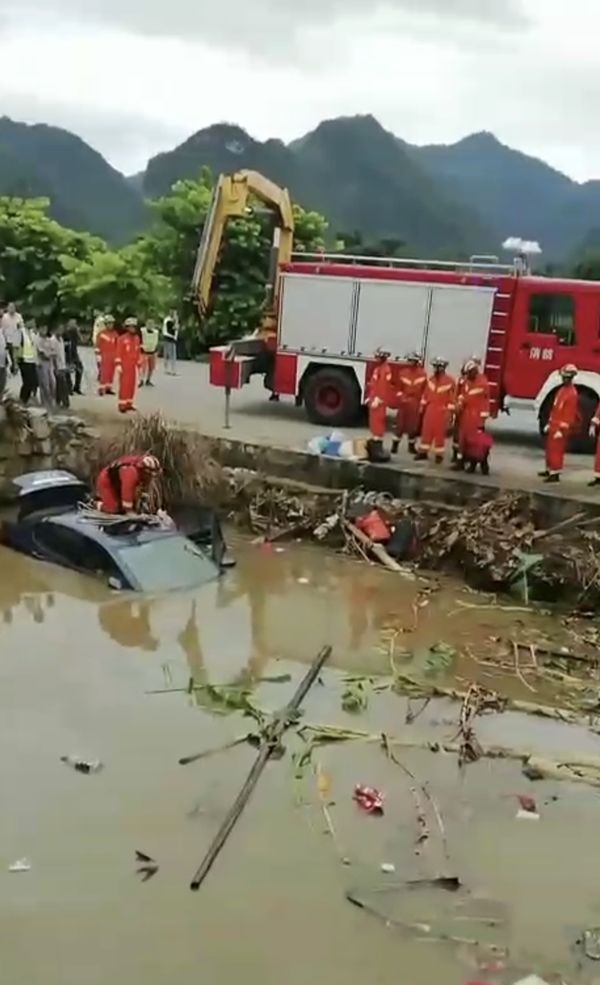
<point>439,199</point>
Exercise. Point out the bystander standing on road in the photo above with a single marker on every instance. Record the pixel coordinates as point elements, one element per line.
<point>170,334</point>
<point>45,345</point>
<point>150,339</point>
<point>27,360</point>
<point>11,325</point>
<point>61,371</point>
<point>3,364</point>
<point>73,360</point>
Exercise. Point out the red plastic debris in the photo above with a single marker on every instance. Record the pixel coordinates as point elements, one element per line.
<point>368,799</point>
<point>527,803</point>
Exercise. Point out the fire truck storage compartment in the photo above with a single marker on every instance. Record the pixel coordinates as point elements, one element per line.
<point>459,324</point>
<point>316,313</point>
<point>351,317</point>
<point>392,316</point>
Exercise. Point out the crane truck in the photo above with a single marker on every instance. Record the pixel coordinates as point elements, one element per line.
<point>326,314</point>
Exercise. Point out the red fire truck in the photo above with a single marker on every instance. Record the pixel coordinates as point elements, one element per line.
<point>332,311</point>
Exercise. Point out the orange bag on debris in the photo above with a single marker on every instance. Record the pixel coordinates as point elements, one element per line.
<point>374,526</point>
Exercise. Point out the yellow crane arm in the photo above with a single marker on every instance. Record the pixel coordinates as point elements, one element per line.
<point>231,198</point>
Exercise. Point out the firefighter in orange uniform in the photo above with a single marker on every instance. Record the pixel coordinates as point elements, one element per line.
<point>413,380</point>
<point>105,348</point>
<point>379,395</point>
<point>120,484</point>
<point>563,417</point>
<point>595,433</point>
<point>437,406</point>
<point>128,362</point>
<point>459,389</point>
<point>472,408</point>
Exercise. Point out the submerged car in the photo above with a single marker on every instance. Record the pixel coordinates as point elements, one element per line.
<point>128,553</point>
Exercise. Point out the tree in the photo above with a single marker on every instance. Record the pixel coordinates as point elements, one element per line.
<point>588,267</point>
<point>121,282</point>
<point>239,290</point>
<point>32,250</point>
<point>55,273</point>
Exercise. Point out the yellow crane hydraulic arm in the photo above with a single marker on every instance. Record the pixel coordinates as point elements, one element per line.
<point>231,197</point>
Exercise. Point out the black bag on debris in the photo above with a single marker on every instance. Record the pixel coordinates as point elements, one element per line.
<point>403,543</point>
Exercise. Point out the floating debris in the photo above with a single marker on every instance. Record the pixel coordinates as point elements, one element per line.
<point>82,765</point>
<point>21,865</point>
<point>368,799</point>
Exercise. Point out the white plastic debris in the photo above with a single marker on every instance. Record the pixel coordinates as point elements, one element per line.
<point>527,816</point>
<point>304,581</point>
<point>388,867</point>
<point>21,865</point>
<point>531,980</point>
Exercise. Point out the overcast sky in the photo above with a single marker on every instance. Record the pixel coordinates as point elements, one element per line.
<point>133,77</point>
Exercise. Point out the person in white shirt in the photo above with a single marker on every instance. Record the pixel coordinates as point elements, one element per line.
<point>11,325</point>
<point>170,334</point>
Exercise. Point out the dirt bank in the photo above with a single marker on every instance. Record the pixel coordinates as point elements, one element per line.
<point>495,546</point>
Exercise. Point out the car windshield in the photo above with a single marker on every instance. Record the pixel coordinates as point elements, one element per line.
<point>168,563</point>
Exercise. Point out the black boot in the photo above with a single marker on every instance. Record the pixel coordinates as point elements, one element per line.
<point>544,474</point>
<point>458,466</point>
<point>376,452</point>
<point>395,446</point>
<point>420,456</point>
<point>439,459</point>
<point>485,466</point>
<point>552,477</point>
<point>595,481</point>
<point>412,446</point>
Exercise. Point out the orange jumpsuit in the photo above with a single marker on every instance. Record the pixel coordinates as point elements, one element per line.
<point>119,484</point>
<point>473,409</point>
<point>413,380</point>
<point>129,357</point>
<point>379,390</point>
<point>437,405</point>
<point>563,417</point>
<point>106,354</point>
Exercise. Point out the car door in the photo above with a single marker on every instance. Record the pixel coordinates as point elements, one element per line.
<point>71,549</point>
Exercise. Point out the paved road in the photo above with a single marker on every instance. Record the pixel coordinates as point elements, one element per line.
<point>189,399</point>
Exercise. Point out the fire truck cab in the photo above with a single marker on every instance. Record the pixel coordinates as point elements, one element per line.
<point>334,311</point>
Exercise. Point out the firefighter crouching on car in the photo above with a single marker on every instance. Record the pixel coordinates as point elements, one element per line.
<point>472,409</point>
<point>413,380</point>
<point>379,397</point>
<point>563,417</point>
<point>121,485</point>
<point>437,407</point>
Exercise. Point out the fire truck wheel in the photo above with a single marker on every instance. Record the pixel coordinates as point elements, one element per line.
<point>332,397</point>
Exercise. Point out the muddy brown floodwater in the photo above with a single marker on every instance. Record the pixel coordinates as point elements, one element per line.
<point>76,668</point>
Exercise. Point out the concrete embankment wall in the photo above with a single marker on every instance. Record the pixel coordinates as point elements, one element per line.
<point>31,439</point>
<point>452,489</point>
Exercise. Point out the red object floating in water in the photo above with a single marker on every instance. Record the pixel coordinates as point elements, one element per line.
<point>527,803</point>
<point>368,799</point>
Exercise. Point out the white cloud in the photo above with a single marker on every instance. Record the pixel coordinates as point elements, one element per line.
<point>135,76</point>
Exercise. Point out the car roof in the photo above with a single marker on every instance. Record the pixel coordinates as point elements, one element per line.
<point>92,528</point>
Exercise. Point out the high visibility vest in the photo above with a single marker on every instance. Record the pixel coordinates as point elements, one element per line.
<point>28,348</point>
<point>149,340</point>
